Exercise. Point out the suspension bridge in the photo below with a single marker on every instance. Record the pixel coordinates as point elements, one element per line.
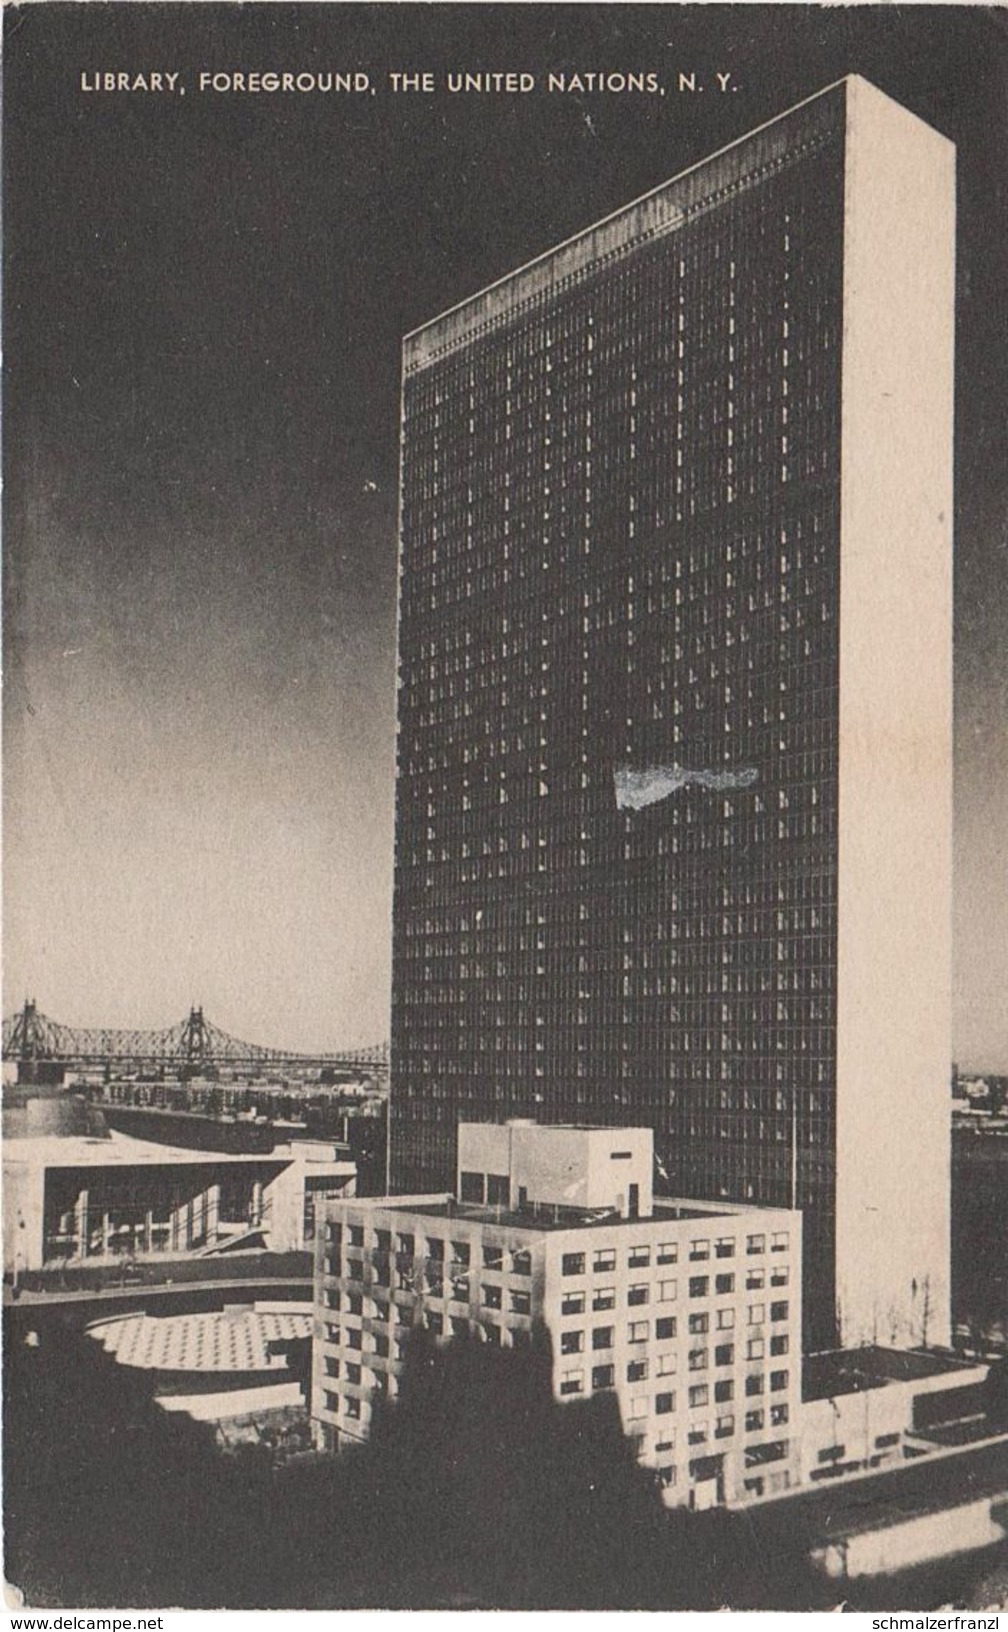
<point>192,1047</point>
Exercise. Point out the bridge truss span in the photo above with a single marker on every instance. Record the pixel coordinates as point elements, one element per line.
<point>191,1047</point>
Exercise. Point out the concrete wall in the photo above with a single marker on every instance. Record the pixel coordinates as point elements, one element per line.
<point>854,1423</point>
<point>617,1159</point>
<point>920,1539</point>
<point>284,1198</point>
<point>894,917</point>
<point>23,1198</point>
<point>575,1167</point>
<point>483,1147</point>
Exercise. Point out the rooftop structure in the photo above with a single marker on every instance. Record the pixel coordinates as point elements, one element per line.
<point>675,700</point>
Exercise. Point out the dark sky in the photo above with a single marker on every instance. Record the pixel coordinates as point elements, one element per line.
<point>204,298</point>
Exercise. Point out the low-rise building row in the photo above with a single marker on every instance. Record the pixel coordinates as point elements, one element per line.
<point>687,1313</point>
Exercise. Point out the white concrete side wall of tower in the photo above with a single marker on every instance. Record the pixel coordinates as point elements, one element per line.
<point>895,721</point>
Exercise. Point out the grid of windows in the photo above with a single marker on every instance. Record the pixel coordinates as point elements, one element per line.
<point>387,1273</point>
<point>620,551</point>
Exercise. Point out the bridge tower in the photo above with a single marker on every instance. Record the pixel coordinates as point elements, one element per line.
<point>30,1047</point>
<point>197,1046</point>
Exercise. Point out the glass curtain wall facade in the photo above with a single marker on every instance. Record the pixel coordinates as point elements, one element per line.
<point>616,826</point>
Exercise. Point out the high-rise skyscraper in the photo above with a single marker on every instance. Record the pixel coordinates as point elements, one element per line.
<point>673,805</point>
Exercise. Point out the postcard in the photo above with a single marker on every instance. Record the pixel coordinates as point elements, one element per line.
<point>505,778</point>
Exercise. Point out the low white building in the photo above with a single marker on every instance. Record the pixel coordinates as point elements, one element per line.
<point>689,1312</point>
<point>77,1200</point>
<point>870,1409</point>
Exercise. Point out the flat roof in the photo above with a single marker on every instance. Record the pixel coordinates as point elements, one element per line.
<point>552,1218</point>
<point>122,1150</point>
<point>529,1123</point>
<point>853,1371</point>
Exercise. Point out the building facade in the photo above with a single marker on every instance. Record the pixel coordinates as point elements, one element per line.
<point>93,1201</point>
<point>675,700</point>
<point>688,1313</point>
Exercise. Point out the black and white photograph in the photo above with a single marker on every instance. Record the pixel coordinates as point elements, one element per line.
<point>505,807</point>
